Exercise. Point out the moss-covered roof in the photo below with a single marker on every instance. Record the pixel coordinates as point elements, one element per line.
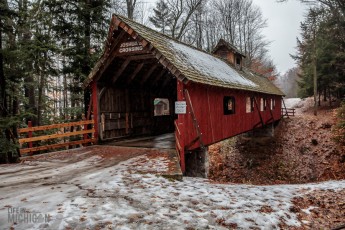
<point>199,66</point>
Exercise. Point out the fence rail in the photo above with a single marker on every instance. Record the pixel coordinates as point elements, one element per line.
<point>60,133</point>
<point>286,112</point>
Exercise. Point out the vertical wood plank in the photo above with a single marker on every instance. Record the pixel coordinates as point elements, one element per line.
<point>95,104</point>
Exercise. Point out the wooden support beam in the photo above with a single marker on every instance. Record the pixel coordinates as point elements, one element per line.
<point>158,76</point>
<point>195,122</point>
<point>135,72</point>
<point>258,109</point>
<point>88,115</point>
<point>95,109</point>
<point>135,57</point>
<point>108,57</point>
<point>120,71</point>
<point>272,117</point>
<point>148,74</point>
<point>166,81</point>
<point>102,91</point>
<point>141,57</point>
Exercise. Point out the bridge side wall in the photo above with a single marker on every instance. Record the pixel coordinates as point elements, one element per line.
<point>208,105</point>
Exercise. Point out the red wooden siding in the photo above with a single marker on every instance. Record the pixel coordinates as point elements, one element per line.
<point>207,102</point>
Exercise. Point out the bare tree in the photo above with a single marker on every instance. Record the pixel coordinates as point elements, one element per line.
<point>181,12</point>
<point>130,8</point>
<point>241,25</point>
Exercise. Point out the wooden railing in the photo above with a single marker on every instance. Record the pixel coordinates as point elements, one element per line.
<point>59,133</point>
<point>286,112</point>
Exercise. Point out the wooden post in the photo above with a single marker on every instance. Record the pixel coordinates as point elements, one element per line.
<point>95,108</point>
<point>30,135</point>
<point>85,136</point>
<point>181,123</point>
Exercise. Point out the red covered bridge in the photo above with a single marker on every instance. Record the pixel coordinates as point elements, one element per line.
<point>211,97</point>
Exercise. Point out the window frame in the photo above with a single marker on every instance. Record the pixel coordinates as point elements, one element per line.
<point>226,109</point>
<point>168,108</point>
<point>251,104</point>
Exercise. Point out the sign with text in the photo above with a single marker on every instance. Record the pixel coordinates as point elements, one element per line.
<point>130,47</point>
<point>180,107</point>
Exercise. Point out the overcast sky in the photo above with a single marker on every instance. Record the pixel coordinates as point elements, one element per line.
<point>283,20</point>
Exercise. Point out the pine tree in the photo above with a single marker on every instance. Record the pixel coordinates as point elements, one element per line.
<point>162,17</point>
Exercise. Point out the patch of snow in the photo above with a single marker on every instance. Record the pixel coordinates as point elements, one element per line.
<point>291,103</point>
<point>208,65</point>
<point>123,197</point>
<point>307,210</point>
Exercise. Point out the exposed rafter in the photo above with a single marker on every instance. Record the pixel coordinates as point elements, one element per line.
<point>120,71</point>
<point>158,76</point>
<point>135,72</point>
<point>148,74</point>
<point>108,57</point>
<point>166,81</point>
<point>141,57</point>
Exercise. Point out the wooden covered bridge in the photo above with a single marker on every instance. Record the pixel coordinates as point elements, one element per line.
<point>206,97</point>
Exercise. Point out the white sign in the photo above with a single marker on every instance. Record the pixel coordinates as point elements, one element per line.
<point>128,47</point>
<point>180,107</point>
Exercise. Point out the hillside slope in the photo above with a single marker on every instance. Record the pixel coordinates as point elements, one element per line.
<point>301,151</point>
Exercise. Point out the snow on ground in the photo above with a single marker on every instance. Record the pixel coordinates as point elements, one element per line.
<point>292,102</point>
<point>125,196</point>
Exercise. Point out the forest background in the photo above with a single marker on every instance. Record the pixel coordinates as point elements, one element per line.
<point>48,48</point>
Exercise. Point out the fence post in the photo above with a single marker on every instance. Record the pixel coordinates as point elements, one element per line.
<point>30,134</point>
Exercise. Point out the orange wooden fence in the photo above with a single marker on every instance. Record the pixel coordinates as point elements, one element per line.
<point>59,134</point>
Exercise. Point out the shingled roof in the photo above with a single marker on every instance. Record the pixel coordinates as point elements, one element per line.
<point>190,63</point>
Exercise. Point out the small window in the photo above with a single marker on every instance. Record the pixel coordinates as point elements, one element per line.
<point>274,103</point>
<point>161,107</point>
<point>229,105</point>
<point>249,104</point>
<point>271,104</point>
<point>262,104</point>
<point>238,61</point>
<point>265,103</point>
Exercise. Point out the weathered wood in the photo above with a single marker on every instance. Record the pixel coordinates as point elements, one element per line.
<point>192,143</point>
<point>287,112</point>
<point>135,72</point>
<point>108,57</point>
<point>88,115</point>
<point>141,57</point>
<point>120,71</point>
<point>55,126</point>
<point>102,91</point>
<point>178,142</point>
<point>158,76</point>
<point>259,112</point>
<point>55,146</point>
<point>195,122</point>
<point>166,81</point>
<point>271,113</point>
<point>148,74</point>
<point>177,128</point>
<point>53,136</point>
<point>96,115</point>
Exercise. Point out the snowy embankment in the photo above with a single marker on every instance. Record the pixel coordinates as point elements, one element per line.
<point>125,196</point>
<point>293,102</point>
